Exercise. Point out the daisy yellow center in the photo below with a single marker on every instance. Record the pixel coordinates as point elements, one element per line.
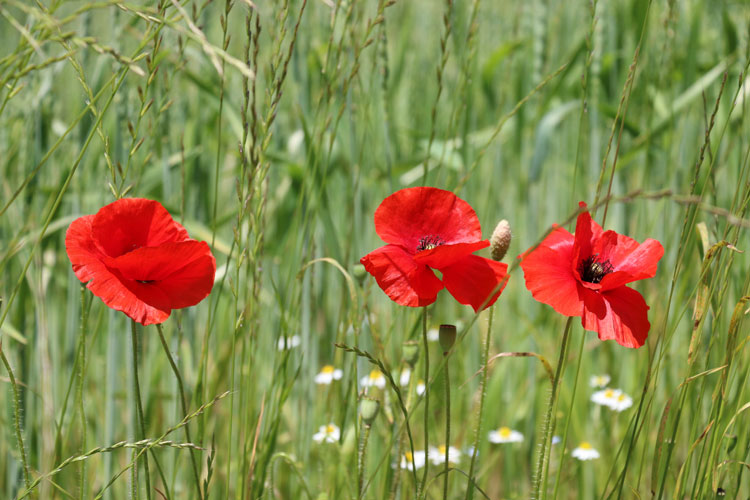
<point>375,375</point>
<point>441,449</point>
<point>409,457</point>
<point>592,269</point>
<point>585,446</point>
<point>609,393</point>
<point>621,397</point>
<point>327,369</point>
<point>330,429</point>
<point>504,432</point>
<point>429,242</point>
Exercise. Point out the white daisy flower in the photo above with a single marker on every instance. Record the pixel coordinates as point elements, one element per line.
<point>418,459</point>
<point>328,433</point>
<point>374,379</point>
<point>599,380</point>
<point>437,455</point>
<point>614,399</point>
<point>405,377</point>
<point>585,452</point>
<point>433,335</point>
<point>420,387</point>
<point>328,374</point>
<point>556,439</point>
<point>288,342</point>
<point>505,435</point>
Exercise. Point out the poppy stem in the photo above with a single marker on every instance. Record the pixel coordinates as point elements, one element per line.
<point>426,401</point>
<point>361,456</point>
<point>79,390</point>
<point>183,400</point>
<point>480,413</point>
<point>140,427</point>
<point>540,479</point>
<point>447,427</point>
<point>567,418</point>
<point>17,417</point>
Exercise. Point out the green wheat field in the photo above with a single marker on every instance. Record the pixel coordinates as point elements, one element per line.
<point>272,130</point>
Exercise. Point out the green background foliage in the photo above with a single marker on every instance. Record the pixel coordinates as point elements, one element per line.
<point>272,130</point>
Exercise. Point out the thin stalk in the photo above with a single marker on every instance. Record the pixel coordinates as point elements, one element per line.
<point>447,428</point>
<point>426,400</point>
<point>183,402</point>
<point>17,417</point>
<point>140,427</point>
<point>480,413</point>
<point>567,418</point>
<point>361,460</point>
<point>81,376</point>
<point>540,478</point>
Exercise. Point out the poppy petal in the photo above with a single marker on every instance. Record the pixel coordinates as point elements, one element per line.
<point>114,290</point>
<point>183,271</point>
<point>445,255</point>
<point>401,278</point>
<point>472,279</point>
<point>409,215</point>
<point>587,233</point>
<point>549,277</point>
<point>631,260</point>
<point>131,223</point>
<point>620,315</point>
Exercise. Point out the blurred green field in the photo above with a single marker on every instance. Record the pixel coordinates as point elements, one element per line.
<point>272,130</point>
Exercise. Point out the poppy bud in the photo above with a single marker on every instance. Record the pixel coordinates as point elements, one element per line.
<point>369,408</point>
<point>447,337</point>
<point>359,272</point>
<point>410,352</point>
<point>500,240</point>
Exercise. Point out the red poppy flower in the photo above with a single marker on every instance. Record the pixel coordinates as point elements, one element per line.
<point>138,260</point>
<point>428,228</point>
<point>585,275</point>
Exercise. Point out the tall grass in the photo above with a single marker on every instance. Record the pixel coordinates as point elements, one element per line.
<point>272,130</point>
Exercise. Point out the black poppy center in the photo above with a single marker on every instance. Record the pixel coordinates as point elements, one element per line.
<point>592,269</point>
<point>146,282</point>
<point>429,242</point>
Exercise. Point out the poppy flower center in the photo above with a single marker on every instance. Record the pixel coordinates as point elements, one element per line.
<point>592,270</point>
<point>145,282</point>
<point>429,242</point>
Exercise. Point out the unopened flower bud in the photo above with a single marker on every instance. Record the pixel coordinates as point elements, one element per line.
<point>447,337</point>
<point>500,240</point>
<point>410,352</point>
<point>369,408</point>
<point>359,272</point>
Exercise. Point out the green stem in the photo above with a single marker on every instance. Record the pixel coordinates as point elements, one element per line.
<point>564,440</point>
<point>447,428</point>
<point>540,478</point>
<point>81,376</point>
<point>482,394</point>
<point>17,417</point>
<point>183,402</point>
<point>361,460</point>
<point>140,425</point>
<point>426,401</point>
